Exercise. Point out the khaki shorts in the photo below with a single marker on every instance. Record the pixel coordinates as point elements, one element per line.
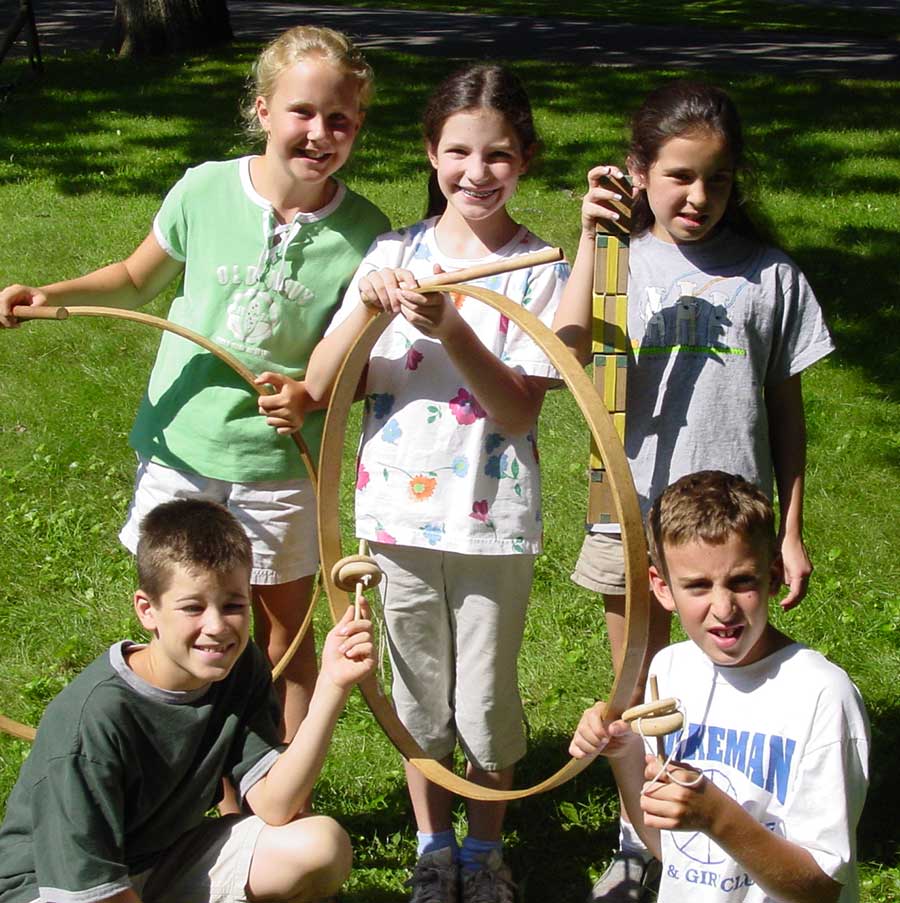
<point>455,625</point>
<point>279,516</point>
<point>601,564</point>
<point>210,863</point>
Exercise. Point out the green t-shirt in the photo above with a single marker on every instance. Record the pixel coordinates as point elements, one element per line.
<point>121,769</point>
<point>262,290</point>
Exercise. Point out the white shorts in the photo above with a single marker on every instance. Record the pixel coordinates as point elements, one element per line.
<point>279,516</point>
<point>210,863</point>
<point>455,625</point>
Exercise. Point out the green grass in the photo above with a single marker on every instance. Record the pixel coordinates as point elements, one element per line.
<point>83,167</point>
<point>746,15</point>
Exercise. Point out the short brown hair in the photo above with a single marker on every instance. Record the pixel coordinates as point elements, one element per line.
<point>709,506</point>
<point>194,533</point>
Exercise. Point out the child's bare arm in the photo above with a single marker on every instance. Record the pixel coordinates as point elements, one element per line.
<point>128,283</point>
<point>511,399</point>
<point>377,292</point>
<point>787,437</point>
<point>285,409</point>
<point>347,657</point>
<point>573,317</point>
<point>625,750</point>
<point>784,870</point>
<point>124,896</point>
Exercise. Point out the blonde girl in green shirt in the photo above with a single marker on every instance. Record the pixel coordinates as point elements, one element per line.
<point>263,248</point>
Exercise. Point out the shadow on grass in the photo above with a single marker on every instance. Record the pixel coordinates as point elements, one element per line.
<point>879,829</point>
<point>549,854</point>
<point>63,130</point>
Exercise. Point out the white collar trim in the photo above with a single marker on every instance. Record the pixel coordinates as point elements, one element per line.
<point>260,201</point>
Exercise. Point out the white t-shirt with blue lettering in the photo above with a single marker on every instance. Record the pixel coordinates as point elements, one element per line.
<point>788,738</point>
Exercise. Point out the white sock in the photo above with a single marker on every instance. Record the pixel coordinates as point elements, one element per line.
<point>630,841</point>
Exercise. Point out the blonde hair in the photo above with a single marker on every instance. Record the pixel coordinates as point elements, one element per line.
<point>709,506</point>
<point>293,46</point>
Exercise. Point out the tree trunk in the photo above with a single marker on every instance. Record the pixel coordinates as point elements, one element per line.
<point>160,27</point>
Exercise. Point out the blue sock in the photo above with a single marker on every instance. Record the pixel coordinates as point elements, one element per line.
<point>474,851</point>
<point>431,843</point>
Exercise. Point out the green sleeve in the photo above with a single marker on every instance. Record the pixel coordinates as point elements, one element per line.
<point>170,225</point>
<point>78,837</point>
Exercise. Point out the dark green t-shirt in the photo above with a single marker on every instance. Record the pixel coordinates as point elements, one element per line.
<point>121,769</point>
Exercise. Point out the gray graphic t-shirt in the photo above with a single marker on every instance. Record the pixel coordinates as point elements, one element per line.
<point>711,327</point>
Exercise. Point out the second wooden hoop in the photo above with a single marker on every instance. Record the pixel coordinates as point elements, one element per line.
<point>637,596</point>
<point>26,732</point>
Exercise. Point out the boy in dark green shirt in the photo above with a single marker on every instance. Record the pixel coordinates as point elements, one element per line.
<point>110,804</point>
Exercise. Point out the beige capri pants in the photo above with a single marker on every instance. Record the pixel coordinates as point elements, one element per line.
<point>455,624</point>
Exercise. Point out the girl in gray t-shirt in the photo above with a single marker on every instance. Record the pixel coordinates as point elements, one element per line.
<point>720,327</point>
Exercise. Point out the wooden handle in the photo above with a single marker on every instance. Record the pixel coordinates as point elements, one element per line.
<point>358,595</point>
<point>535,258</point>
<point>15,729</point>
<point>660,744</point>
<point>469,274</point>
<point>26,312</point>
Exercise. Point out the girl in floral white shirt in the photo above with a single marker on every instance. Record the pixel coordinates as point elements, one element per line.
<point>448,482</point>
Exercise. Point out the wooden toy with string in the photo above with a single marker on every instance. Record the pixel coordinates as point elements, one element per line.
<point>655,719</point>
<point>355,574</point>
<point>610,338</point>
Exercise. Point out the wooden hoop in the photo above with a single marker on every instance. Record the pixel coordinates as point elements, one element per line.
<point>23,312</point>
<point>637,595</point>
<point>17,729</point>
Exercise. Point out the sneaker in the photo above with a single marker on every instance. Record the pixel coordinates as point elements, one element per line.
<point>435,878</point>
<point>628,879</point>
<point>491,883</point>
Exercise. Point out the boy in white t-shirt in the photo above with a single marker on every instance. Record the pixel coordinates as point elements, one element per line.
<point>765,788</point>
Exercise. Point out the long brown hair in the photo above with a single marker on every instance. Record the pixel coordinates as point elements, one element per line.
<point>681,108</point>
<point>476,88</point>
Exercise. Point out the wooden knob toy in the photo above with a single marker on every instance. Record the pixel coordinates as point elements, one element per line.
<point>355,574</point>
<point>354,569</point>
<point>656,718</point>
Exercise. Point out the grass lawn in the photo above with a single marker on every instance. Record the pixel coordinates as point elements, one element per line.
<point>85,157</point>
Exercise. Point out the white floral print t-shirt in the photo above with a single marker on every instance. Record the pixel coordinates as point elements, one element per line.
<point>434,471</point>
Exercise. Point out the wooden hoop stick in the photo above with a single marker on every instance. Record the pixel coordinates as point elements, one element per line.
<point>637,598</point>
<point>660,745</point>
<point>362,584</point>
<point>16,729</point>
<point>470,274</point>
<point>45,312</point>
